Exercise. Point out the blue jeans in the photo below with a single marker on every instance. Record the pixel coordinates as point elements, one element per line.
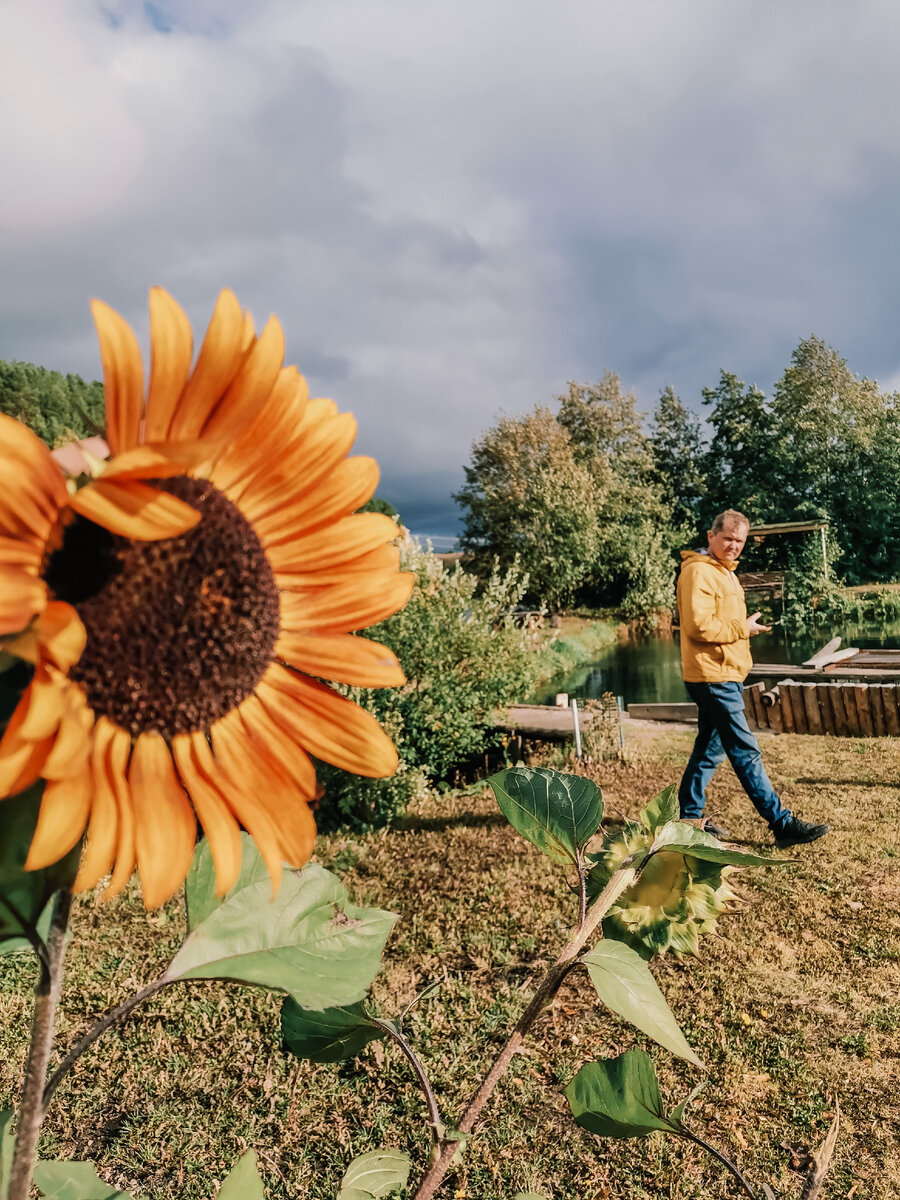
<point>722,730</point>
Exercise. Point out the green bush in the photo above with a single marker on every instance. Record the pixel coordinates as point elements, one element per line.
<point>464,657</point>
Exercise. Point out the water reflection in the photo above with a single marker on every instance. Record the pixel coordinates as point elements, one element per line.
<point>648,670</point>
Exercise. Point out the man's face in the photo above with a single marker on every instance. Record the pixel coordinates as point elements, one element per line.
<point>728,543</point>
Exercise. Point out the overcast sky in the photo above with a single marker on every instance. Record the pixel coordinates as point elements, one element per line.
<point>455,206</point>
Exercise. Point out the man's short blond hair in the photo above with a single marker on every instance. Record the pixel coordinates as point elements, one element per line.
<point>730,516</point>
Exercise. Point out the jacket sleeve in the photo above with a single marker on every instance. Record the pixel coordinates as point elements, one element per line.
<point>698,612</point>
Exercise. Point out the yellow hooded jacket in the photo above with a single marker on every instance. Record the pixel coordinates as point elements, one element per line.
<point>715,645</point>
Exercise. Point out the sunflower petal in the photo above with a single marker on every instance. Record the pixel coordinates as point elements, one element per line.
<point>302,466</point>
<point>16,553</point>
<point>328,725</point>
<point>63,815</point>
<point>218,363</point>
<point>216,818</point>
<point>171,351</point>
<point>245,806</point>
<point>159,460</point>
<point>21,598</point>
<point>61,635</point>
<point>340,542</point>
<point>134,510</point>
<point>346,607</point>
<point>292,759</point>
<point>116,763</point>
<point>36,472</point>
<point>379,564</point>
<point>341,658</point>
<point>164,823</point>
<point>346,488</point>
<point>251,386</point>
<point>123,377</point>
<point>103,826</point>
<point>72,743</point>
<point>265,438</point>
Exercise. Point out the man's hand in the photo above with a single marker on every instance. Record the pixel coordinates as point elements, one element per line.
<point>754,626</point>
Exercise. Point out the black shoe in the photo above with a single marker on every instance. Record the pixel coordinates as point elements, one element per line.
<point>717,831</point>
<point>795,832</point>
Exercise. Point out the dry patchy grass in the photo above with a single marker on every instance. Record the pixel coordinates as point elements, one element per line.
<point>796,1007</point>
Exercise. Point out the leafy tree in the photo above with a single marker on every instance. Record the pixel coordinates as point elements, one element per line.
<point>376,504</point>
<point>741,466</point>
<point>676,441</point>
<point>58,408</point>
<point>527,499</point>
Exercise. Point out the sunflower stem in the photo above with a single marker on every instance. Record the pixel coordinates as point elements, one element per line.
<point>46,998</point>
<point>542,998</point>
<point>96,1031</point>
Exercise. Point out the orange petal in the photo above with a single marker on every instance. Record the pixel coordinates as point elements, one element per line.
<point>117,755</point>
<point>103,827</point>
<point>123,377</point>
<point>165,827</point>
<point>35,470</point>
<point>292,759</point>
<point>41,710</point>
<point>251,386</point>
<point>339,542</point>
<point>61,635</point>
<point>218,363</point>
<point>65,806</point>
<point>16,553</point>
<point>134,510</point>
<point>265,438</point>
<point>376,567</point>
<point>72,744</point>
<point>241,799</point>
<point>301,468</point>
<point>159,461</point>
<point>341,658</point>
<point>346,607</point>
<point>328,725</point>
<point>215,816</point>
<point>21,598</point>
<point>171,351</point>
<point>275,792</point>
<point>343,491</point>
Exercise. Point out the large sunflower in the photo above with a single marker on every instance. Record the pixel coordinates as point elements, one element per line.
<point>182,602</point>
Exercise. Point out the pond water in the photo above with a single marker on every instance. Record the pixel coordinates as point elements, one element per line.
<point>645,670</point>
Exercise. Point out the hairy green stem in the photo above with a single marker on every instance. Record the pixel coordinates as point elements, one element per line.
<point>543,997</point>
<point>46,997</point>
<point>109,1019</point>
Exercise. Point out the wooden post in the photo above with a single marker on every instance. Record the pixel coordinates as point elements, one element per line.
<point>784,706</point>
<point>841,726</point>
<point>891,713</point>
<point>811,704</point>
<point>798,708</point>
<point>823,694</point>
<point>853,726</point>
<point>756,713</point>
<point>773,715</point>
<point>866,727</point>
<point>876,704</point>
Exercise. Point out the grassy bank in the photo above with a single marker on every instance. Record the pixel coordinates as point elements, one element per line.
<point>577,641</point>
<point>795,1008</point>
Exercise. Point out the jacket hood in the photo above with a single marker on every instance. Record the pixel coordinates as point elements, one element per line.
<point>689,556</point>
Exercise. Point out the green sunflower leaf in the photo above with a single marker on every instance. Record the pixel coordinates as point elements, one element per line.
<point>200,885</point>
<point>73,1181</point>
<point>661,809</point>
<point>619,1097</point>
<point>330,1035</point>
<point>309,941</point>
<point>624,984</point>
<point>7,1145</point>
<point>557,813</point>
<point>243,1181</point>
<point>375,1174</point>
<point>25,895</point>
<point>676,836</point>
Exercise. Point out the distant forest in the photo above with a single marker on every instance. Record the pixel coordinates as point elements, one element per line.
<point>58,408</point>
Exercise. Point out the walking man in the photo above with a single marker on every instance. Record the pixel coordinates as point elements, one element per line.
<point>715,660</point>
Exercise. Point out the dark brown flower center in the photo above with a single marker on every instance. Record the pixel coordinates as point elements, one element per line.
<point>180,631</point>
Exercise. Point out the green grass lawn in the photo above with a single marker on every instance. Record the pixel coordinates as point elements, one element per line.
<point>795,1008</point>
